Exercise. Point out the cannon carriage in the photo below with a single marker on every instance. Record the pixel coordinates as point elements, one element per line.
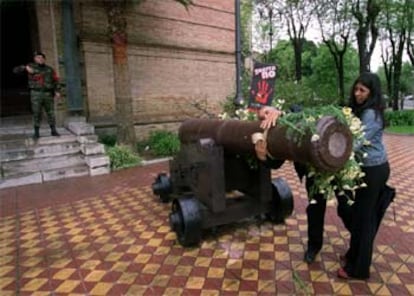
<point>215,178</point>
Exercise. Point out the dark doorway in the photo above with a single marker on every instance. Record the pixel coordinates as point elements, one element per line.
<point>18,35</point>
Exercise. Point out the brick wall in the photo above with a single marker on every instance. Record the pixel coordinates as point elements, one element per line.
<point>176,57</point>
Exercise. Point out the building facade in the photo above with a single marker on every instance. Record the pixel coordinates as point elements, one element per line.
<point>181,61</point>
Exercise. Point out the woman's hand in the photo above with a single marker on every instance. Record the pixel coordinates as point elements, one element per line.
<point>261,149</point>
<point>269,116</point>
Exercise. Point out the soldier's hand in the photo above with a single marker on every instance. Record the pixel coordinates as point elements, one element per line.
<point>19,69</point>
<point>57,95</point>
<point>29,69</point>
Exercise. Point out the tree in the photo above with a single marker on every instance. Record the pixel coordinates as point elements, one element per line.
<point>117,30</point>
<point>395,33</point>
<point>294,16</point>
<point>366,14</point>
<point>410,37</point>
<point>335,27</point>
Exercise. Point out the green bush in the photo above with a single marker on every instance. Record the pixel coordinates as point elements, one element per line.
<point>399,118</point>
<point>107,139</point>
<point>164,143</point>
<point>122,157</point>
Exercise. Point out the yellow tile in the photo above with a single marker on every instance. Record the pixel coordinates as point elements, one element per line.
<point>162,250</point>
<point>160,280</point>
<point>5,281</point>
<point>319,276</point>
<point>267,286</point>
<point>151,268</point>
<point>101,289</point>
<point>249,274</point>
<point>267,264</point>
<point>282,255</point>
<point>31,252</point>
<point>232,263</point>
<point>34,284</point>
<point>135,249</point>
<point>107,247</point>
<point>33,272</point>
<point>60,263</point>
<point>155,242</point>
<point>78,238</point>
<point>164,229</point>
<point>33,261</point>
<point>113,256</point>
<point>284,275</point>
<point>172,260</point>
<point>143,258</point>
<point>173,291</point>
<point>210,293</point>
<point>195,283</point>
<point>127,278</point>
<point>6,259</point>
<point>183,270</point>
<point>95,276</point>
<point>266,247</point>
<point>215,272</point>
<point>251,255</point>
<point>139,290</point>
<point>67,286</point>
<point>64,274</point>
<point>120,266</point>
<point>230,285</point>
<point>147,234</point>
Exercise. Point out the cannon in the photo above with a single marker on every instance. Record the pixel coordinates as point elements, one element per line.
<point>212,180</point>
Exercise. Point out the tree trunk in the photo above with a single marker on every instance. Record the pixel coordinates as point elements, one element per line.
<point>122,82</point>
<point>297,46</point>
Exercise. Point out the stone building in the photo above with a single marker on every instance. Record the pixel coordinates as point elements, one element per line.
<point>181,61</point>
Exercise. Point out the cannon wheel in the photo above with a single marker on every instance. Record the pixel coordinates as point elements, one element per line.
<point>282,201</point>
<point>162,187</point>
<point>185,220</point>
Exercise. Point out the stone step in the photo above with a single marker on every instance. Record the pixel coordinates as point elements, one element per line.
<point>44,175</point>
<point>21,179</point>
<point>17,167</point>
<point>51,146</point>
<point>66,172</point>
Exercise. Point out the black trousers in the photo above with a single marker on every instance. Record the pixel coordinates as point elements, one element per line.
<point>364,219</point>
<point>316,216</point>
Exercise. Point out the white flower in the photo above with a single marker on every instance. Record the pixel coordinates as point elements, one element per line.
<point>315,137</point>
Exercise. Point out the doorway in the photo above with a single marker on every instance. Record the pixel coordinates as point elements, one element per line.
<point>18,37</point>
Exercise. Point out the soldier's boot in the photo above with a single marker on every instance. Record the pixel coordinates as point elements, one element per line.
<point>53,131</point>
<point>36,134</point>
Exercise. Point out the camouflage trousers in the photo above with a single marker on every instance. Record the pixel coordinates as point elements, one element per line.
<point>40,100</point>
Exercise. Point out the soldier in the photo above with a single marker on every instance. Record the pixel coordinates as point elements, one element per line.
<point>44,87</point>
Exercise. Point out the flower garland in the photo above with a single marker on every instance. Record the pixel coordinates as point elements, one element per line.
<point>349,177</point>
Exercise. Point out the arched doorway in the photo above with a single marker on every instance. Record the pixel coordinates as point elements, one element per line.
<point>19,38</point>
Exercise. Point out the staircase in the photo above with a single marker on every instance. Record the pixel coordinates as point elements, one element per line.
<point>26,161</point>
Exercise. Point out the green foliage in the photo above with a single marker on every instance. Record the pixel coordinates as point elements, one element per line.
<point>164,143</point>
<point>405,130</point>
<point>107,139</point>
<point>399,118</point>
<point>122,157</point>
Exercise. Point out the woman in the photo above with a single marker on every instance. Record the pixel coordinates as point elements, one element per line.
<point>367,104</point>
<point>363,218</point>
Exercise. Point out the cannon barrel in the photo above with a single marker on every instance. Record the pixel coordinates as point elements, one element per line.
<point>328,153</point>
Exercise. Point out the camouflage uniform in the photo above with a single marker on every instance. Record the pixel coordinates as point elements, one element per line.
<point>43,84</point>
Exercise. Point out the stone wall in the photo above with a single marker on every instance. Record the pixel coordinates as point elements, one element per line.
<point>179,60</point>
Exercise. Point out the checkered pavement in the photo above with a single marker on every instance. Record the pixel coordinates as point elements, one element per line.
<point>117,241</point>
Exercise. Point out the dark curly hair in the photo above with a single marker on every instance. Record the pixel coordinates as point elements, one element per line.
<point>375,100</point>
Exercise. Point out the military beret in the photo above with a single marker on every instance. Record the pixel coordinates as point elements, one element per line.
<point>36,53</point>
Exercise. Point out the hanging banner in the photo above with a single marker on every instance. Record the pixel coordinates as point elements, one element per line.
<point>263,85</point>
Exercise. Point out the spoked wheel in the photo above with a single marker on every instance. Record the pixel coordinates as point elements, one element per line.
<point>185,220</point>
<point>282,201</point>
<point>162,187</point>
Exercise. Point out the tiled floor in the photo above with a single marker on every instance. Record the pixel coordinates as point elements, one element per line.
<point>108,235</point>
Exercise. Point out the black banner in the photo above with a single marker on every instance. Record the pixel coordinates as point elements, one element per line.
<point>263,85</point>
